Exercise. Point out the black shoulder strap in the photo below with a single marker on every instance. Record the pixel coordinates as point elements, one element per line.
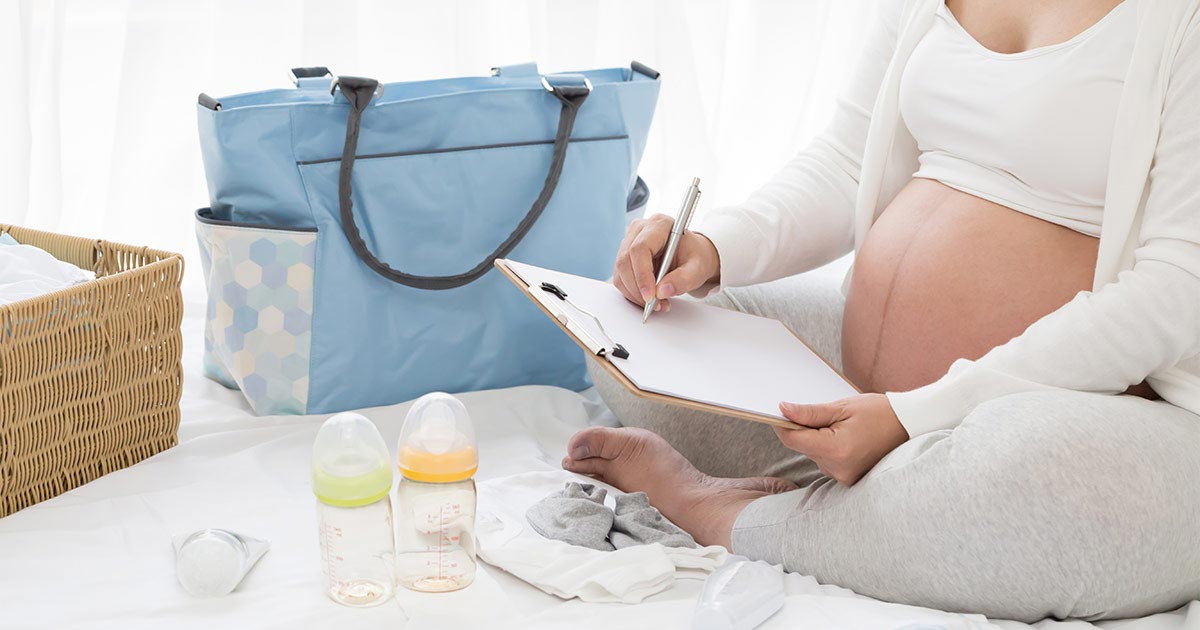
<point>359,92</point>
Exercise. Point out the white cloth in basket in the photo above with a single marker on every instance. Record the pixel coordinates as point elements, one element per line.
<point>27,271</point>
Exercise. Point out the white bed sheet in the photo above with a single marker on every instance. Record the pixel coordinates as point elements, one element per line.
<point>100,556</point>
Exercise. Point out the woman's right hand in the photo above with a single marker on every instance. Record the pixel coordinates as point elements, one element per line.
<point>696,262</point>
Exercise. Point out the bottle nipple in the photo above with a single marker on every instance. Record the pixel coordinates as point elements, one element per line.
<point>350,462</point>
<point>437,443</point>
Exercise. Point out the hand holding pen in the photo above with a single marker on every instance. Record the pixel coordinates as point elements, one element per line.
<point>694,262</point>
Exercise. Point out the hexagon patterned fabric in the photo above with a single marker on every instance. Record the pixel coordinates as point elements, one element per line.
<point>259,325</point>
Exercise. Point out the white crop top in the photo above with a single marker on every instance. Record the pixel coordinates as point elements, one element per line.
<point>1030,130</point>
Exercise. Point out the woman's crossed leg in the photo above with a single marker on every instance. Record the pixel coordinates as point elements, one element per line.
<point>1058,504</point>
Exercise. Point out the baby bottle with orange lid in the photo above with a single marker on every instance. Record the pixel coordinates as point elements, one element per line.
<point>435,502</point>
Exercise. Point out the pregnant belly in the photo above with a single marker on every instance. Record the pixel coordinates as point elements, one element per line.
<point>944,275</point>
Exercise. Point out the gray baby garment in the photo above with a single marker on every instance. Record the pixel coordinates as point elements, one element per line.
<point>639,523</point>
<point>575,515</point>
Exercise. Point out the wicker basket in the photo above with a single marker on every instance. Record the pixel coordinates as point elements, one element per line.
<point>90,376</point>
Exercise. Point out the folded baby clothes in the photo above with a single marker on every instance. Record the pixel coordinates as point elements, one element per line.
<point>26,272</point>
<point>575,515</point>
<point>636,522</point>
<point>629,575</point>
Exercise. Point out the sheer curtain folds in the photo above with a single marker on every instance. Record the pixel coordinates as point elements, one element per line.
<point>98,130</point>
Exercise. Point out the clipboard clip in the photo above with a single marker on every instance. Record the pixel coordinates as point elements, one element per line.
<point>617,350</point>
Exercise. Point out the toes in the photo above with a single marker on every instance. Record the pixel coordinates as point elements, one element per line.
<point>592,467</point>
<point>582,444</point>
<point>602,442</point>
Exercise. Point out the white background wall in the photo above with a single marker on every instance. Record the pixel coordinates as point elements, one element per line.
<point>97,124</point>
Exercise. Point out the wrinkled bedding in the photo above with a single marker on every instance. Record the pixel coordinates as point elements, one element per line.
<point>100,556</point>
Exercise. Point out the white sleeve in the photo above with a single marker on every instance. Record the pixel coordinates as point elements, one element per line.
<point>1107,340</point>
<point>804,216</point>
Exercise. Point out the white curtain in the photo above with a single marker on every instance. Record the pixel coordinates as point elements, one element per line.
<point>98,128</point>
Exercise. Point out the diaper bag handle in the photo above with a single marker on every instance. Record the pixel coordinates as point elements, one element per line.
<point>570,90</point>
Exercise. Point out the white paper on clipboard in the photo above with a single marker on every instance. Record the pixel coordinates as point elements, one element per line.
<point>695,351</point>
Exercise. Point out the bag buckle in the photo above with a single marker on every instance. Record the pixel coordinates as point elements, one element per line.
<point>351,87</point>
<point>315,72</point>
<point>568,88</point>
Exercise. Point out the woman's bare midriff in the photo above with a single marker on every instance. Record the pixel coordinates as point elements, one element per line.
<point>944,275</point>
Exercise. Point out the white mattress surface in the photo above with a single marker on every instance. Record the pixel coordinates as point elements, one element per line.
<point>100,556</point>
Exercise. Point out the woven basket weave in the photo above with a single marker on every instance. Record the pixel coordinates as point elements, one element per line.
<point>90,376</point>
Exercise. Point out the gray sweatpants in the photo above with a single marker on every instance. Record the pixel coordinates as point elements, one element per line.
<point>1047,504</point>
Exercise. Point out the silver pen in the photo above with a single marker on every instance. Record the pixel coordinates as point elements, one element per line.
<point>681,225</point>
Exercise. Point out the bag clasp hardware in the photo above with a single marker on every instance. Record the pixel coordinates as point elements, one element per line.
<point>353,84</point>
<point>568,88</point>
<point>314,72</point>
<point>617,350</point>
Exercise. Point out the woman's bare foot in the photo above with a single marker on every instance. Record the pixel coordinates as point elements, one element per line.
<point>638,460</point>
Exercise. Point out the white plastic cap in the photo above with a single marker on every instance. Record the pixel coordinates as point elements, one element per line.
<point>739,595</point>
<point>210,563</point>
<point>350,465</point>
<point>437,443</point>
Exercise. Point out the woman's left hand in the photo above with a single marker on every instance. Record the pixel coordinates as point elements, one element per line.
<point>846,437</point>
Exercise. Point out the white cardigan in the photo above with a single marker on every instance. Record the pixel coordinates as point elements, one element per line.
<point>1142,317</point>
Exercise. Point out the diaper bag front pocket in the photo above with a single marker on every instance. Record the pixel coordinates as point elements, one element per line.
<point>258,328</point>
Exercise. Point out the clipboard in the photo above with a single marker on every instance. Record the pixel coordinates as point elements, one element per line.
<point>567,317</point>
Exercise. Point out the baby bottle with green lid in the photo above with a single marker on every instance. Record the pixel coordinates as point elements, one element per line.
<point>352,476</point>
<point>435,503</point>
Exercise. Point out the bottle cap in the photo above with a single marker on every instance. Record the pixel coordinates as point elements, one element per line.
<point>437,443</point>
<point>212,562</point>
<point>350,462</point>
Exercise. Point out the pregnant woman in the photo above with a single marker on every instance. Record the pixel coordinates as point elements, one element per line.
<point>1020,182</point>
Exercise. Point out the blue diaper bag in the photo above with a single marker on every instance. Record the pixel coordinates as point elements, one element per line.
<point>352,227</point>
